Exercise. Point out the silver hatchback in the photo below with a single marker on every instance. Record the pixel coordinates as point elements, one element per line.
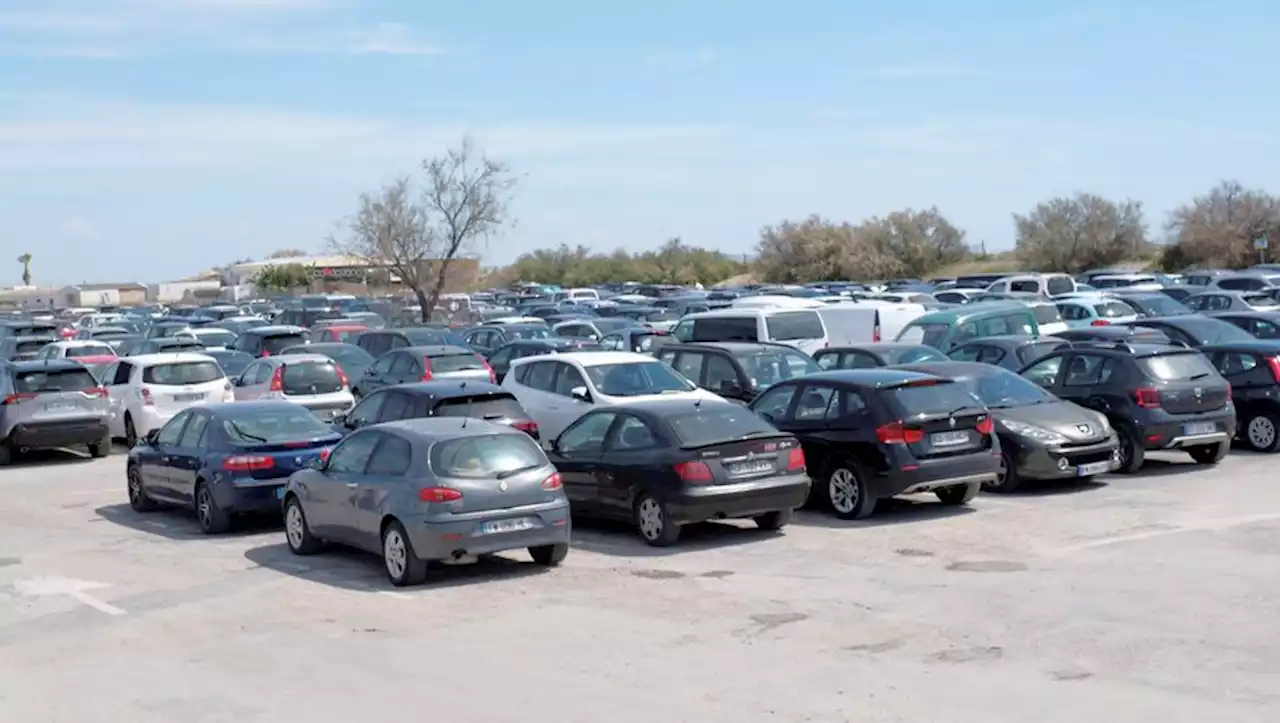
<point>51,404</point>
<point>423,490</point>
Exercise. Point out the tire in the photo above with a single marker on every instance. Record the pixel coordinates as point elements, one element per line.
<point>775,520</point>
<point>404,567</point>
<point>957,495</point>
<point>101,448</point>
<point>139,500</point>
<point>1261,431</point>
<point>1008,480</point>
<point>1132,453</point>
<point>130,433</point>
<point>297,532</point>
<point>654,524</point>
<point>549,555</point>
<point>1209,453</point>
<point>213,519</point>
<point>6,453</point>
<point>846,491</point>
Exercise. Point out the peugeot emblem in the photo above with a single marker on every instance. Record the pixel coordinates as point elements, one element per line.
<point>953,422</point>
<point>751,455</point>
<point>1199,392</point>
<point>502,486</point>
<point>1083,428</point>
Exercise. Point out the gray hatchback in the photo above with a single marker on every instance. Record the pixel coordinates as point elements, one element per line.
<point>47,404</point>
<point>424,490</point>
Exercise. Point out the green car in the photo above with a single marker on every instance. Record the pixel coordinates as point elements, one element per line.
<point>949,328</point>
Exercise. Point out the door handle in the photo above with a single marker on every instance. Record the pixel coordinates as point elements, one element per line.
<point>352,485</point>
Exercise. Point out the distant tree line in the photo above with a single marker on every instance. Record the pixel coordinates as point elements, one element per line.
<point>673,263</point>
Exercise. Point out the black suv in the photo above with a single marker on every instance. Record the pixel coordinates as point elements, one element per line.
<point>737,371</point>
<point>1253,370</point>
<point>1156,396</point>
<point>267,340</point>
<point>477,400</point>
<point>868,434</point>
<point>381,341</point>
<point>1011,352</point>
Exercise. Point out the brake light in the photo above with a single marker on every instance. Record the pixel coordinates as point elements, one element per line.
<point>426,369</point>
<point>265,353</point>
<point>493,377</point>
<point>985,425</point>
<point>277,380</point>
<point>324,455</point>
<point>1147,398</point>
<point>1099,322</point>
<point>1274,364</point>
<point>795,460</point>
<point>147,399</point>
<point>15,398</point>
<point>439,494</point>
<point>528,426</point>
<point>694,472</point>
<point>248,463</point>
<point>95,392</point>
<point>553,482</point>
<point>875,333</point>
<point>897,433</point>
<point>342,376</point>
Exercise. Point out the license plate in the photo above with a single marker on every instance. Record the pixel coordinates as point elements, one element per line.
<point>948,439</point>
<point>1199,428</point>
<point>187,397</point>
<point>745,468</point>
<point>500,526</point>
<point>59,406</point>
<point>1088,470</point>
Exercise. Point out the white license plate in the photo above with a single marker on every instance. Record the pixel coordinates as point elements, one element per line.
<point>187,397</point>
<point>59,406</point>
<point>500,526</point>
<point>1199,428</point>
<point>1088,470</point>
<point>948,439</point>
<point>746,468</point>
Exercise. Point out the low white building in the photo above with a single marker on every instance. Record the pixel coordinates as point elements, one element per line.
<point>178,291</point>
<point>28,298</point>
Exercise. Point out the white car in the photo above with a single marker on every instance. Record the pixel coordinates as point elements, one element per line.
<point>557,389</point>
<point>146,391</point>
<point>314,381</point>
<point>84,351</point>
<point>214,338</point>
<point>1048,318</point>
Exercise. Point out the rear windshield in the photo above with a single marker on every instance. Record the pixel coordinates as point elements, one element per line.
<point>456,363</point>
<point>1047,314</point>
<point>434,337</point>
<point>1178,367</point>
<point>794,325</point>
<point>486,456</point>
<point>82,351</point>
<point>60,380</point>
<point>286,423</point>
<point>1260,300</point>
<point>529,332</point>
<point>701,428</point>
<point>182,373</point>
<point>26,347</point>
<point>216,338</point>
<point>278,343</point>
<point>486,407</point>
<point>1112,309</point>
<point>939,398</point>
<point>722,329</point>
<point>310,377</point>
<point>179,346</point>
<point>1160,305</point>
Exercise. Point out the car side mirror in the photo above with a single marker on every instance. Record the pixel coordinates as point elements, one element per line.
<point>730,387</point>
<point>554,445</point>
<point>341,420</point>
<point>581,394</point>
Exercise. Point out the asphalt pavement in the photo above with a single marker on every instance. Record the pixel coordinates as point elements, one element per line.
<point>1145,598</point>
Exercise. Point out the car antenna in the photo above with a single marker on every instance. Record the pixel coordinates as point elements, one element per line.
<point>467,416</point>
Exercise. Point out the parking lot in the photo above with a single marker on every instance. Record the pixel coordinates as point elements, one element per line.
<point>1146,598</point>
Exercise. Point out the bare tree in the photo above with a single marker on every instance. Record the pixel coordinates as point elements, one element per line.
<point>1219,228</point>
<point>1078,233</point>
<point>417,233</point>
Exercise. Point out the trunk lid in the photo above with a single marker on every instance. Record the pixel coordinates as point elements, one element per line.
<point>57,395</point>
<point>278,459</point>
<point>938,418</point>
<point>1187,382</point>
<point>175,386</point>
<point>492,472</point>
<point>748,459</point>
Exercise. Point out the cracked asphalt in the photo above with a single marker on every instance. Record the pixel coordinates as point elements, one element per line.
<point>1146,598</point>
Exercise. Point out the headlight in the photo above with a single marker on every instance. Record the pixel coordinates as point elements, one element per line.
<point>1032,432</point>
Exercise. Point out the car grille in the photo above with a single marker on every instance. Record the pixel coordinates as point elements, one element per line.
<point>1089,457</point>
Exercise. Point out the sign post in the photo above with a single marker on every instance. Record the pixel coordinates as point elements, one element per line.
<point>1260,244</point>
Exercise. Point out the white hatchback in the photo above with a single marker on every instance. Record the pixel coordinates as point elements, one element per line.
<point>557,389</point>
<point>146,391</point>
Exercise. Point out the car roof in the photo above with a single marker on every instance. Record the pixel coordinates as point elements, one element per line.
<point>957,314</point>
<point>594,358</point>
<point>168,358</point>
<point>733,347</point>
<point>875,378</point>
<point>274,330</point>
<point>1246,314</point>
<point>51,364</point>
<point>1269,347</point>
<point>445,428</point>
<point>446,389</point>
<point>437,349</point>
<point>871,347</point>
<point>74,343</point>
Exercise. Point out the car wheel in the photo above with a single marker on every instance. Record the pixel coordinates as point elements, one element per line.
<point>213,519</point>
<point>1007,479</point>
<point>1261,432</point>
<point>775,520</point>
<point>549,555</point>
<point>139,500</point>
<point>1209,453</point>
<point>1132,453</point>
<point>296,530</point>
<point>957,495</point>
<point>102,447</point>
<point>130,433</point>
<point>404,567</point>
<point>847,491</point>
<point>654,523</point>
<point>6,453</point>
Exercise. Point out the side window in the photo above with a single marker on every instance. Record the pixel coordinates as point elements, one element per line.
<point>1072,312</point>
<point>367,410</point>
<point>632,434</point>
<point>1265,330</point>
<point>1060,285</point>
<point>568,378</point>
<point>588,433</point>
<point>1086,370</point>
<point>170,432</point>
<point>720,372</point>
<point>396,407</point>
<point>1045,371</point>
<point>263,374</point>
<point>352,454</point>
<point>501,356</point>
<point>1195,303</point>
<point>965,332</point>
<point>846,406</point>
<point>123,373</point>
<point>1233,364</point>
<point>830,360</point>
<point>683,331</point>
<point>995,326</point>
<point>541,375</point>
<point>773,404</point>
<point>612,342</point>
<point>396,342</point>
<point>392,458</point>
<point>967,353</point>
<point>813,403</point>
<point>1025,285</point>
<point>859,360</point>
<point>193,436</point>
<point>401,364</point>
<point>990,354</point>
<point>383,364</point>
<point>1020,323</point>
<point>690,365</point>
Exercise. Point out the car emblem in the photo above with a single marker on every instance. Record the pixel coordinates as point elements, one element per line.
<point>502,486</point>
<point>297,460</point>
<point>751,455</point>
<point>1199,392</point>
<point>1084,428</point>
<point>953,422</point>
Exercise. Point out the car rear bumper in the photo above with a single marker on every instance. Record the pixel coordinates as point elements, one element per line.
<point>1056,462</point>
<point>446,538</point>
<point>743,499</point>
<point>979,467</point>
<point>1172,432</point>
<point>250,495</point>
<point>58,434</point>
<point>149,418</point>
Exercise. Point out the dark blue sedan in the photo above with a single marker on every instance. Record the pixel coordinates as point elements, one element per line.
<point>226,459</point>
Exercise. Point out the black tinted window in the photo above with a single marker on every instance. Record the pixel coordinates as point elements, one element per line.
<point>725,329</point>
<point>793,325</point>
<point>1030,352</point>
<point>486,407</point>
<point>933,398</point>
<point>1060,285</point>
<point>700,428</point>
<point>311,378</point>
<point>1047,314</point>
<point>277,344</point>
<point>182,373</point>
<point>392,458</point>
<point>486,456</point>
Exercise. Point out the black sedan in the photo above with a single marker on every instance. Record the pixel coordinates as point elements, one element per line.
<point>1012,352</point>
<point>1041,437</point>
<point>870,356</point>
<point>1196,330</point>
<point>1253,370</point>
<point>1261,324</point>
<point>664,464</point>
<point>501,359</point>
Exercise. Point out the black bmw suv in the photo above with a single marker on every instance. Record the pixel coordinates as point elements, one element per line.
<point>1156,396</point>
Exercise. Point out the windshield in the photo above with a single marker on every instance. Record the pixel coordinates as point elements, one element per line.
<point>279,342</point>
<point>182,373</point>
<point>635,379</point>
<point>705,427</point>
<point>255,425</point>
<point>794,325</point>
<point>455,363</point>
<point>1001,389</point>
<point>1112,309</point>
<point>1213,331</point>
<point>434,337</point>
<point>934,335</point>
<point>487,456</point>
<point>767,368</point>
<point>1159,305</point>
<point>1178,367</point>
<point>941,397</point>
<point>233,363</point>
<point>529,332</point>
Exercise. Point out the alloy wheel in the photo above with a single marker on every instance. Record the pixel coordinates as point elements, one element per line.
<point>293,525</point>
<point>843,490</point>
<point>204,507</point>
<point>135,486</point>
<point>395,553</point>
<point>1262,432</point>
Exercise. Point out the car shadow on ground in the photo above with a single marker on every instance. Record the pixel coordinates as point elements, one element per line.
<point>1168,464</point>
<point>1053,487</point>
<point>349,569</point>
<point>889,511</point>
<point>178,524</point>
<point>45,458</point>
<point>607,537</point>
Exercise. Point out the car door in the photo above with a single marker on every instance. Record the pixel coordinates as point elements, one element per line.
<point>374,376</point>
<point>187,456</point>
<point>690,365</point>
<point>500,360</point>
<point>1085,381</point>
<point>331,494</point>
<point>577,453</point>
<point>384,476</point>
<point>626,466</point>
<point>722,376</point>
<point>397,406</point>
<point>536,393</point>
<point>153,463</point>
<point>116,379</point>
<point>1046,371</point>
<point>1251,378</point>
<point>252,383</point>
<point>568,378</point>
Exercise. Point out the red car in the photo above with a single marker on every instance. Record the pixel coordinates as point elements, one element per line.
<point>345,333</point>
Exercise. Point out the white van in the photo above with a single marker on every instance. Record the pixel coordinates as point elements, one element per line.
<point>1049,285</point>
<point>807,329</point>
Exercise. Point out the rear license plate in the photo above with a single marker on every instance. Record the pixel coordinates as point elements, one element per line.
<point>742,469</point>
<point>1087,470</point>
<point>948,439</point>
<point>59,406</point>
<point>500,526</point>
<point>187,397</point>
<point>1199,428</point>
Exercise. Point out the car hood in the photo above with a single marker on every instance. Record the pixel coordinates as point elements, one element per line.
<point>1070,420</point>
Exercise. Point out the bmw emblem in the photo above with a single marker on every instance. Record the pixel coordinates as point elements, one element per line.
<point>297,460</point>
<point>502,486</point>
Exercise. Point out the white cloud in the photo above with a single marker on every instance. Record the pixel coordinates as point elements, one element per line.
<point>389,39</point>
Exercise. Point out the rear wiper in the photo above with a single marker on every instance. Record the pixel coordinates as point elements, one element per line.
<point>240,431</point>
<point>517,470</point>
<point>1194,377</point>
<point>499,415</point>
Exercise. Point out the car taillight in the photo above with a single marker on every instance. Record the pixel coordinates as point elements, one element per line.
<point>1147,398</point>
<point>1228,392</point>
<point>553,482</point>
<point>147,399</point>
<point>15,398</point>
<point>265,353</point>
<point>439,494</point>
<point>795,460</point>
<point>984,425</point>
<point>342,377</point>
<point>694,472</point>
<point>897,433</point>
<point>426,369</point>
<point>1099,322</point>
<point>493,377</point>
<point>95,392</point>
<point>1274,364</point>
<point>248,463</point>
<point>324,455</point>
<point>277,380</point>
<point>527,426</point>
<point>875,333</point>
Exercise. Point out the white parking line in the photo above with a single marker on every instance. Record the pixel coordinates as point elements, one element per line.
<point>95,603</point>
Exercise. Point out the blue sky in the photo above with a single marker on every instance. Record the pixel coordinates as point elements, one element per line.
<point>150,139</point>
